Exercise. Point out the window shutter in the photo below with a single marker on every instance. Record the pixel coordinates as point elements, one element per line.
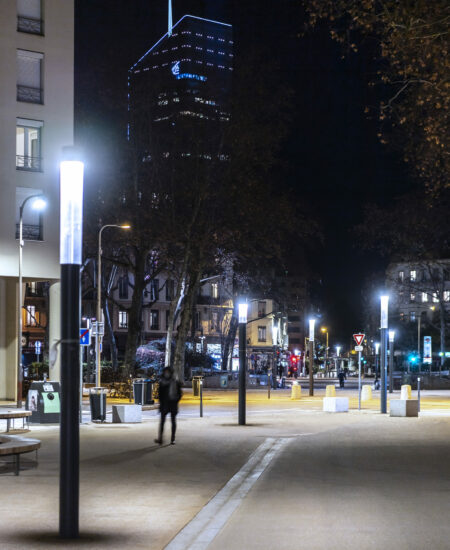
<point>29,69</point>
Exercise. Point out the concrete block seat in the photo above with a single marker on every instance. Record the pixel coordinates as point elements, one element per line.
<point>15,446</point>
<point>335,404</point>
<point>404,407</point>
<point>127,414</point>
<point>11,415</point>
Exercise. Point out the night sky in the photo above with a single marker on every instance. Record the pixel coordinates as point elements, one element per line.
<point>332,158</point>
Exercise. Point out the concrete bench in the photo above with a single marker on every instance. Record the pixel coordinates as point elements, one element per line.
<point>11,415</point>
<point>13,445</point>
<point>335,404</point>
<point>126,413</point>
<point>404,407</point>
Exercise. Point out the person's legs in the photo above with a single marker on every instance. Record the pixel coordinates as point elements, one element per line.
<point>161,428</point>
<point>173,416</point>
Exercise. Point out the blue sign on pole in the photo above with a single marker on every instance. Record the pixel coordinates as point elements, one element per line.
<point>37,347</point>
<point>85,337</point>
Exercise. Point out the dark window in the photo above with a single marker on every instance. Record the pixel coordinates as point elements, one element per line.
<point>261,334</point>
<point>29,16</point>
<point>154,290</point>
<point>261,309</point>
<point>169,290</point>
<point>154,319</point>
<point>123,287</point>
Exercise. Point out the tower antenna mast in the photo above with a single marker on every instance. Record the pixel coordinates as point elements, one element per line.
<point>169,31</point>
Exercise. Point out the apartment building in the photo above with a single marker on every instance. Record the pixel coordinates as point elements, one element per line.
<point>36,122</point>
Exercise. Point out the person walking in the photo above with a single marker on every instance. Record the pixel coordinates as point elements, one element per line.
<point>169,396</point>
<point>341,377</point>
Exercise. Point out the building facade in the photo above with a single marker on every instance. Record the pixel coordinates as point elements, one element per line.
<point>36,122</point>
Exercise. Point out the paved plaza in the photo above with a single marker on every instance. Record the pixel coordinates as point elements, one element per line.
<point>293,478</point>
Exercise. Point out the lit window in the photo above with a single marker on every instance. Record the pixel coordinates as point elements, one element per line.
<point>401,276</point>
<point>123,319</point>
<point>424,297</point>
<point>261,334</point>
<point>214,290</point>
<point>28,145</point>
<point>29,16</point>
<point>412,316</point>
<point>214,321</point>
<point>446,295</point>
<point>413,275</point>
<point>435,297</point>
<point>412,297</point>
<point>402,317</point>
<point>29,77</point>
<point>30,316</point>
<point>154,319</point>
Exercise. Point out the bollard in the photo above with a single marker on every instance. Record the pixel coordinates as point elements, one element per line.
<point>296,391</point>
<point>330,391</point>
<point>418,394</point>
<point>366,393</point>
<point>201,398</point>
<point>405,392</point>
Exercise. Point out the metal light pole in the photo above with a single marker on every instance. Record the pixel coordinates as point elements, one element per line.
<point>71,225</point>
<point>338,353</point>
<point>311,355</point>
<point>325,330</point>
<point>391,360</point>
<point>377,352</point>
<point>99,301</point>
<point>243,308</point>
<point>384,328</point>
<point>39,203</point>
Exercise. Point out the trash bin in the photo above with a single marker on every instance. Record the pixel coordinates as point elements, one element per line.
<point>224,380</point>
<point>97,401</point>
<point>196,385</point>
<point>143,391</point>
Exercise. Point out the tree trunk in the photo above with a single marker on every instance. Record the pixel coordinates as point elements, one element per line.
<point>170,325</point>
<point>135,311</point>
<point>111,336</point>
<point>442,330</point>
<point>183,328</point>
<point>229,341</point>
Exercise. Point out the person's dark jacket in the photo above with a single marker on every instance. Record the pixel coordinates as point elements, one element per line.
<point>169,394</point>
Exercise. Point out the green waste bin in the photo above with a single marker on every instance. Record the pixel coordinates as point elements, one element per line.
<point>224,380</point>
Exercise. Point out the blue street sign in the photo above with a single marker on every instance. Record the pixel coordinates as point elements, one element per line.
<point>37,347</point>
<point>85,337</point>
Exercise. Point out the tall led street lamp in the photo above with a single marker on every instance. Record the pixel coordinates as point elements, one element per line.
<point>312,323</point>
<point>325,331</point>
<point>384,302</point>
<point>38,203</point>
<point>99,300</point>
<point>71,224</point>
<point>242,318</point>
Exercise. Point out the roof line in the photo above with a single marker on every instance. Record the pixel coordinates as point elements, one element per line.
<point>167,34</point>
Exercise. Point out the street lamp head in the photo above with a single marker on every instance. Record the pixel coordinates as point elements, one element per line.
<point>39,203</point>
<point>312,322</point>
<point>242,312</point>
<point>391,335</point>
<point>71,215</point>
<point>324,329</point>
<point>384,310</point>
<point>377,348</point>
<point>338,350</point>
<point>125,226</point>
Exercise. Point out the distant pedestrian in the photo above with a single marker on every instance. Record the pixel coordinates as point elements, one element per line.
<point>341,377</point>
<point>169,396</point>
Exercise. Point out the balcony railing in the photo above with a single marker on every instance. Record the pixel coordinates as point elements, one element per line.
<point>29,24</point>
<point>29,95</point>
<point>32,164</point>
<point>30,232</point>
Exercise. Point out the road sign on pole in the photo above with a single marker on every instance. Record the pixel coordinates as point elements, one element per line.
<point>358,338</point>
<point>85,337</point>
<point>359,348</point>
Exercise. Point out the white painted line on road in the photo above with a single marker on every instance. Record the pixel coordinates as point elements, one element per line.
<point>204,527</point>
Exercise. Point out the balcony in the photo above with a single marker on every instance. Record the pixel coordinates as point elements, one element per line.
<point>30,232</point>
<point>30,164</point>
<point>29,95</point>
<point>29,25</point>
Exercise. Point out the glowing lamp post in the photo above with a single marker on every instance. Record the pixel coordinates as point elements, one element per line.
<point>38,203</point>
<point>98,332</point>
<point>312,323</point>
<point>391,360</point>
<point>71,223</point>
<point>324,330</point>
<point>384,300</point>
<point>242,312</point>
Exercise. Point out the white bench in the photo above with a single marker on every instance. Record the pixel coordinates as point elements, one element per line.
<point>126,413</point>
<point>404,407</point>
<point>335,404</point>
